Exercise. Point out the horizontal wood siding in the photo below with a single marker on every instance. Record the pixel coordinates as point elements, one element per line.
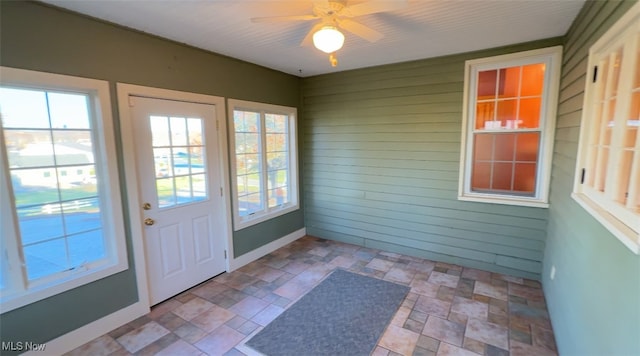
<point>381,164</point>
<point>601,318</point>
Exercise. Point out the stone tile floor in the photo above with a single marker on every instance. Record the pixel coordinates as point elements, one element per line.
<point>450,310</point>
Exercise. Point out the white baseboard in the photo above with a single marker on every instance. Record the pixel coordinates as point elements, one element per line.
<point>249,257</point>
<point>95,329</point>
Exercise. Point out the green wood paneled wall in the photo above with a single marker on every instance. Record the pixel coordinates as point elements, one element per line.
<point>594,299</point>
<point>381,164</point>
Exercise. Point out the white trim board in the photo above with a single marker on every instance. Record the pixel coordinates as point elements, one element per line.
<point>95,329</point>
<point>235,263</point>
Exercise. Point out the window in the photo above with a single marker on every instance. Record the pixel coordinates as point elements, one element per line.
<point>508,121</point>
<point>607,180</point>
<point>58,230</point>
<point>265,167</point>
<point>179,160</point>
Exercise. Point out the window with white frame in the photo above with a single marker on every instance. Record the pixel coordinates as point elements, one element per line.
<point>508,121</point>
<point>607,180</point>
<point>62,217</point>
<point>264,161</point>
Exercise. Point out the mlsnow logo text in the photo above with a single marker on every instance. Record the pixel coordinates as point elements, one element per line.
<point>22,346</point>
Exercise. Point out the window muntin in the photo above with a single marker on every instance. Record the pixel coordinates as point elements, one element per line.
<point>608,167</point>
<point>263,145</point>
<point>508,127</point>
<point>62,226</point>
<point>180,165</point>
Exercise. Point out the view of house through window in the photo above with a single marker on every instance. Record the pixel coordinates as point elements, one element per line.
<point>266,172</point>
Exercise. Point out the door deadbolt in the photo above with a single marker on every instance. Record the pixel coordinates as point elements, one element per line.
<point>146,206</point>
<point>149,221</point>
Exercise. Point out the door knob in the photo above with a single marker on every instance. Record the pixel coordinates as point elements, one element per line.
<point>149,221</point>
<point>146,206</point>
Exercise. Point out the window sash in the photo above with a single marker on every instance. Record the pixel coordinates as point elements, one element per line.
<point>551,58</point>
<point>603,185</point>
<point>290,165</point>
<point>602,180</point>
<point>19,290</point>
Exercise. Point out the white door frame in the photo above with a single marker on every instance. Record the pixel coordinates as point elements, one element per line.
<point>131,175</point>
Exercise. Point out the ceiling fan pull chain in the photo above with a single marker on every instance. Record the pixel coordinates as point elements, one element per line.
<point>333,59</point>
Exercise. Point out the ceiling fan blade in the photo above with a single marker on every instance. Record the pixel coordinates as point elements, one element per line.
<point>284,18</point>
<point>308,39</point>
<point>372,7</point>
<point>361,30</point>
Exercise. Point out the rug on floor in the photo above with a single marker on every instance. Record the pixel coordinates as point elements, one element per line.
<point>343,315</point>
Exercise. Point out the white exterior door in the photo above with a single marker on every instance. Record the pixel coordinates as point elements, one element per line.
<point>179,183</point>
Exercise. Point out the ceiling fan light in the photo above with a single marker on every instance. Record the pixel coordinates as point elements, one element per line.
<point>328,39</point>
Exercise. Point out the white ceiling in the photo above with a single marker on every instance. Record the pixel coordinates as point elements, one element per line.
<point>422,29</point>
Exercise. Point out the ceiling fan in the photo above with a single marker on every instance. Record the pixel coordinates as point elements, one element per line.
<point>338,14</point>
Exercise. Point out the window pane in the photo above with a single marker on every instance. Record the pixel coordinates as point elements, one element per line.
<point>485,112</point>
<point>180,161</point>
<point>29,148</point>
<point>277,160</point>
<point>23,108</point>
<point>617,58</point>
<point>276,123</point>
<point>82,215</point>
<point>40,222</point>
<point>252,143</point>
<point>178,131</point>
<point>249,204</point>
<point>532,79</point>
<point>166,193</point>
<point>68,111</point>
<point>509,82</point>
<point>34,186</point>
<point>194,128</point>
<point>159,131</point>
<point>504,147</point>
<point>481,176</point>
<point>46,258</point>
<point>527,146</point>
<point>483,147</point>
<point>502,176</point>
<point>79,186</point>
<point>277,196</point>
<point>633,121</point>
<point>525,178</point>
<point>276,142</point>
<point>196,160</point>
<point>242,185</point>
<point>162,162</point>
<point>253,164</point>
<point>241,164</point>
<point>183,189</point>
<point>529,116</point>
<point>246,121</point>
<point>86,247</point>
<point>487,84</point>
<point>507,110</point>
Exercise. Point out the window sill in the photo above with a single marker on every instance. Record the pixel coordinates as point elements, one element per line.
<point>504,200</point>
<point>66,282</point>
<point>622,232</point>
<point>247,221</point>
